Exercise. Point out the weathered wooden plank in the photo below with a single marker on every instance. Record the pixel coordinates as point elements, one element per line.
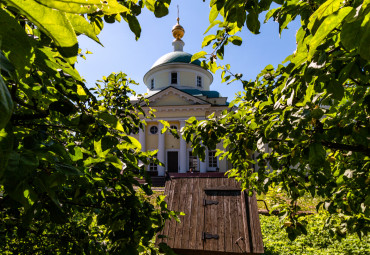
<point>246,244</point>
<point>187,198</point>
<point>200,216</point>
<point>168,193</point>
<point>235,222</point>
<point>175,207</point>
<point>238,243</point>
<point>207,243</point>
<point>180,207</point>
<point>228,226</point>
<point>221,219</point>
<point>255,225</point>
<point>195,211</point>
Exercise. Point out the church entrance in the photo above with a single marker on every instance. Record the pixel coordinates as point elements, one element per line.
<point>173,161</point>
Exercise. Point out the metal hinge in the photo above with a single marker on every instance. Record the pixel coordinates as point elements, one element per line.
<point>208,236</point>
<point>209,202</point>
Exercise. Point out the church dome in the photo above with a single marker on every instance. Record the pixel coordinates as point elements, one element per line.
<point>175,57</point>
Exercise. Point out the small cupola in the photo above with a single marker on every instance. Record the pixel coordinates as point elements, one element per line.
<point>176,69</point>
<point>178,32</point>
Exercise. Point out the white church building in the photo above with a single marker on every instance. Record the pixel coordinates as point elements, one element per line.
<point>179,89</point>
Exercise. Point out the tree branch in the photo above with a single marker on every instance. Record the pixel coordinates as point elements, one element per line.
<point>346,147</point>
<point>81,205</point>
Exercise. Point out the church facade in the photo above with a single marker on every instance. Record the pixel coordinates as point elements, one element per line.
<point>179,89</point>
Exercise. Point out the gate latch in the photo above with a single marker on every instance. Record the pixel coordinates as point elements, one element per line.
<point>209,202</point>
<point>208,236</point>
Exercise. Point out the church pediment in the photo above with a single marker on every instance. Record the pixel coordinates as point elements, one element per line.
<point>172,96</point>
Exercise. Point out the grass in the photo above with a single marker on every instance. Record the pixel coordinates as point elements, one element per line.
<point>318,241</point>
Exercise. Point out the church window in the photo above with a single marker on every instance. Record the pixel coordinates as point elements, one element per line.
<point>199,81</point>
<point>152,84</point>
<point>173,127</point>
<point>193,161</point>
<point>212,159</point>
<point>153,130</point>
<point>173,78</point>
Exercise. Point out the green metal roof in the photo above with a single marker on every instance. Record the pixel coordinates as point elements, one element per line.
<point>176,57</point>
<point>197,92</point>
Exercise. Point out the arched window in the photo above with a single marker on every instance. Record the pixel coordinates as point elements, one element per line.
<point>173,127</point>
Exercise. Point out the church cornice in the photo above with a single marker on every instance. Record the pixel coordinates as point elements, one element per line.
<point>180,66</point>
<point>184,108</point>
<point>174,91</point>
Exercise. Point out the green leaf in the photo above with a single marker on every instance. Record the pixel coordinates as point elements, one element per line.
<point>150,5</point>
<point>160,9</point>
<point>327,8</point>
<point>317,113</point>
<point>356,35</point>
<point>5,65</point>
<point>48,60</point>
<point>134,26</point>
<point>63,106</point>
<point>128,143</point>
<point>213,14</point>
<point>111,120</point>
<point>309,92</point>
<point>77,154</point>
<point>317,154</point>
<point>253,23</point>
<point>82,26</point>
<point>329,23</point>
<point>214,23</point>
<point>108,7</point>
<point>67,169</point>
<point>98,149</point>
<point>81,91</point>
<point>207,40</point>
<point>6,104</point>
<point>15,44</point>
<point>6,147</point>
<point>236,40</point>
<point>53,23</point>
<point>336,88</point>
<point>198,55</point>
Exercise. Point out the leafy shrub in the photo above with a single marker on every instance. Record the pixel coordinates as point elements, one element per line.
<point>317,241</point>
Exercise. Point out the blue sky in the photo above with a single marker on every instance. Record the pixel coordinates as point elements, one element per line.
<point>122,53</point>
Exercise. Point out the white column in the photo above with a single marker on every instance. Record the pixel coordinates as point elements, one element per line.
<point>142,139</point>
<point>161,149</point>
<point>142,142</point>
<point>183,154</point>
<point>203,165</point>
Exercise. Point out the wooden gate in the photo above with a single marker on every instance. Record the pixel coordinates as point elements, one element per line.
<point>223,220</point>
<point>219,219</point>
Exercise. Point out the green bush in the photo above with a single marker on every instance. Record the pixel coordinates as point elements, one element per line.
<point>317,241</point>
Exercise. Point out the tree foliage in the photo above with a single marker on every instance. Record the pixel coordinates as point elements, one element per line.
<point>68,166</point>
<point>312,110</point>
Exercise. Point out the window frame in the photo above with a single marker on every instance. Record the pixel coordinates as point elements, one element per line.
<point>171,78</point>
<point>212,161</point>
<point>152,85</point>
<point>199,81</point>
<point>152,132</point>
<point>194,159</point>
